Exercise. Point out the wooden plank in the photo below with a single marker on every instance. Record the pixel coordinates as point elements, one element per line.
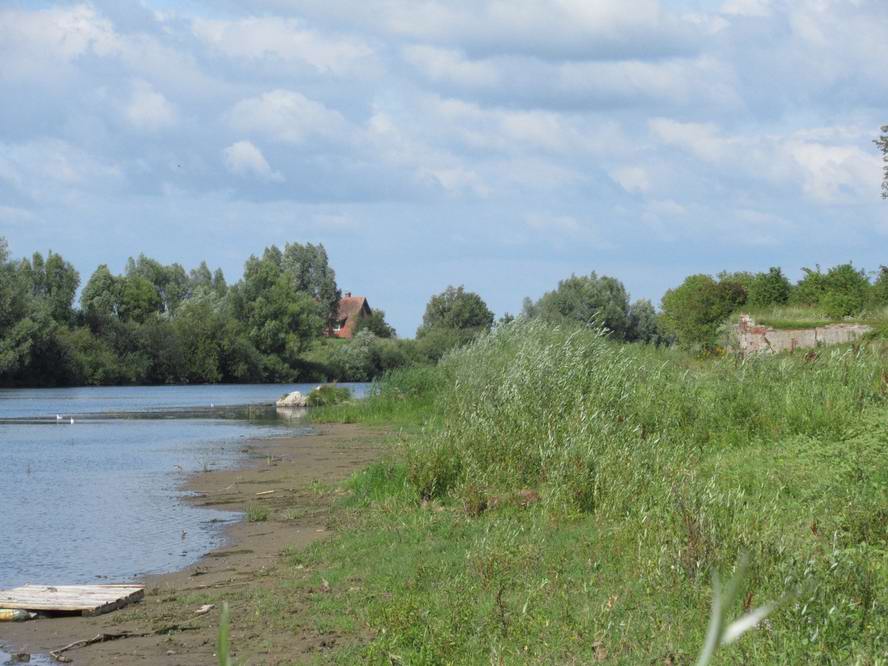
<point>85,599</point>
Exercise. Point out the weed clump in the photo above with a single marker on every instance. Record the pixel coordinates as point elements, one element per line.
<point>328,395</point>
<point>257,513</point>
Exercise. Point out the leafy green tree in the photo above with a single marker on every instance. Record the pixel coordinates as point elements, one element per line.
<point>280,320</point>
<point>456,309</point>
<point>880,287</point>
<point>100,298</point>
<point>376,324</point>
<point>587,299</point>
<point>309,269</point>
<point>220,286</point>
<point>810,289</point>
<point>241,361</point>
<point>451,319</point>
<point>60,287</point>
<point>695,311</point>
<point>847,291</point>
<point>644,325</point>
<point>16,329</point>
<point>507,318</point>
<point>159,340</point>
<point>767,289</point>
<point>434,343</point>
<point>357,360</point>
<point>743,278</point>
<point>200,277</point>
<point>159,324</point>
<point>199,325</point>
<point>91,359</point>
<point>139,299</point>
<point>171,282</point>
<point>53,281</point>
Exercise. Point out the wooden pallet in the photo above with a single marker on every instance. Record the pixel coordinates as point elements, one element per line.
<point>82,599</point>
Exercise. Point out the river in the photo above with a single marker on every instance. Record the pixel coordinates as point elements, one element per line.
<point>100,499</point>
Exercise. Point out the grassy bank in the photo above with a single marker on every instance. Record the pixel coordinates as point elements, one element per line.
<point>803,316</point>
<point>560,498</point>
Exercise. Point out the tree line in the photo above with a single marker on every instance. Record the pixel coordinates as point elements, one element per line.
<point>157,323</point>
<point>161,324</point>
<point>694,312</point>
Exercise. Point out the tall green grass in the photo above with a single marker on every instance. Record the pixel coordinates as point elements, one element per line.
<point>654,470</point>
<point>594,423</point>
<point>401,397</point>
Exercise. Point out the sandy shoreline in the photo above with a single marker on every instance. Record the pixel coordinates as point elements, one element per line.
<point>163,629</point>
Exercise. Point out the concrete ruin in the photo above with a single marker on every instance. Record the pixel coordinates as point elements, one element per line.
<point>750,338</point>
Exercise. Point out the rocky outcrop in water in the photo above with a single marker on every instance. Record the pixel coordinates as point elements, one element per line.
<point>294,399</point>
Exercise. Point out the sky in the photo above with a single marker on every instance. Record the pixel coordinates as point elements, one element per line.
<point>498,144</point>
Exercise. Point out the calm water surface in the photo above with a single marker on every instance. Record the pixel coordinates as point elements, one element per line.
<point>100,500</point>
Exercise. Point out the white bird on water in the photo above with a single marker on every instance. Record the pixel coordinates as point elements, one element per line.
<point>72,420</point>
<point>58,417</point>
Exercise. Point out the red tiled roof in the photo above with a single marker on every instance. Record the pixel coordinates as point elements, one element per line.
<point>350,306</point>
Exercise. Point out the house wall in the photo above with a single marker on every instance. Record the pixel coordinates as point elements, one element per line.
<point>751,338</point>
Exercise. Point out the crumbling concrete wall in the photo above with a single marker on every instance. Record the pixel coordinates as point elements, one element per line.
<point>751,338</point>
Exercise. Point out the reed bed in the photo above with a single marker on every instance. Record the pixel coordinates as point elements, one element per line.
<point>567,500</point>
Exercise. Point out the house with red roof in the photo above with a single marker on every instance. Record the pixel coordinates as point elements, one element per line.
<point>352,309</point>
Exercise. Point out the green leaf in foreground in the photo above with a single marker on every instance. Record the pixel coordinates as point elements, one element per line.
<point>224,640</point>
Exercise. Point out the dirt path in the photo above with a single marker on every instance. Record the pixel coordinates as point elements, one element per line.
<point>301,471</point>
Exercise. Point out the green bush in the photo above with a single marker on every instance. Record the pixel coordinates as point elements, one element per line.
<point>328,395</point>
<point>768,289</point>
<point>846,292</point>
<point>695,311</point>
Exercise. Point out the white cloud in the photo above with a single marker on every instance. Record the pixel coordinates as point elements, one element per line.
<point>288,116</point>
<point>757,8</point>
<point>243,158</point>
<point>569,84</point>
<point>441,169</point>
<point>560,229</point>
<point>335,221</point>
<point>42,46</point>
<point>827,165</point>
<point>556,223</point>
<point>833,173</point>
<point>66,33</point>
<point>666,207</point>
<point>701,139</point>
<point>51,170</point>
<point>576,29</point>
<point>289,41</point>
<point>451,66</point>
<point>18,216</point>
<point>148,109</point>
<point>632,179</point>
<point>511,131</point>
